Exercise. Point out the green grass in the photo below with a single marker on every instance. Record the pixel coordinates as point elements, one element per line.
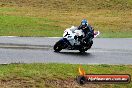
<point>7,9</point>
<point>116,35</point>
<point>50,18</point>
<point>38,74</point>
<point>28,26</point>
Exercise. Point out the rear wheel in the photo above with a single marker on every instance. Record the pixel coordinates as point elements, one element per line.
<point>82,50</point>
<point>90,44</point>
<point>86,47</point>
<point>58,46</point>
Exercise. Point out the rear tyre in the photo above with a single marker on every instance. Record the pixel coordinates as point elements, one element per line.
<point>90,44</point>
<point>82,50</point>
<point>87,46</point>
<point>58,46</point>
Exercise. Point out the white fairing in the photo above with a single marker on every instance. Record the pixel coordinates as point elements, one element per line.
<point>70,33</point>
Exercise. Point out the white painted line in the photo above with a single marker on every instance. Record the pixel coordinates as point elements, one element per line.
<point>9,36</point>
<point>52,37</point>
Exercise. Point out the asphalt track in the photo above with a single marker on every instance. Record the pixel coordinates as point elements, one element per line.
<point>40,50</point>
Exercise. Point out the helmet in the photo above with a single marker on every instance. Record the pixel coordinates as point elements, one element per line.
<point>84,23</point>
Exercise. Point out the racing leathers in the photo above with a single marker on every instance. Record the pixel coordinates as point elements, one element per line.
<point>88,33</point>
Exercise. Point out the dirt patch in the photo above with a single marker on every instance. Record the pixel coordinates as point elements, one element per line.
<point>27,82</point>
<point>16,82</point>
<point>36,3</point>
<point>67,83</point>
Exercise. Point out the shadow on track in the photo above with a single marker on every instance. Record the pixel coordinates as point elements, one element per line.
<point>75,53</point>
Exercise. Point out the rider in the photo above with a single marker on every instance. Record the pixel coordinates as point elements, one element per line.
<point>87,29</point>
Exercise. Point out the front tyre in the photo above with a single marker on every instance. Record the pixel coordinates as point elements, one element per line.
<point>58,46</point>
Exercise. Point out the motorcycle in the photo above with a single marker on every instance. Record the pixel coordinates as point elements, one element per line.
<point>73,40</point>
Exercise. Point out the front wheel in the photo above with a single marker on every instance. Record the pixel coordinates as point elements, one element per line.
<point>58,46</point>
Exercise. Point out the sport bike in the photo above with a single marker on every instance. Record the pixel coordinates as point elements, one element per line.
<point>73,40</point>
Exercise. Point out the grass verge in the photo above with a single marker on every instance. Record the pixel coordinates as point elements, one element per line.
<point>56,75</point>
<point>50,18</point>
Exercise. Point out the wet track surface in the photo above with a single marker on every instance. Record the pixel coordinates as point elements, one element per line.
<point>40,50</point>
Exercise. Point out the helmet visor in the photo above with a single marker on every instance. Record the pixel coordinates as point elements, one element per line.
<point>83,24</point>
